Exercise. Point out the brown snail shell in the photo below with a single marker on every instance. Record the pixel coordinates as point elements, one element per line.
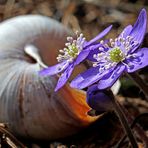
<point>28,102</point>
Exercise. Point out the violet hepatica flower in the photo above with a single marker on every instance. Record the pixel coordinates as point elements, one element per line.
<point>74,53</point>
<point>117,56</point>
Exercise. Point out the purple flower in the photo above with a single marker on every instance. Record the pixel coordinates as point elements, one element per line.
<point>117,56</point>
<point>98,99</point>
<point>74,53</point>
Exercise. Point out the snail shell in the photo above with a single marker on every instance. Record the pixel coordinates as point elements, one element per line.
<point>28,102</point>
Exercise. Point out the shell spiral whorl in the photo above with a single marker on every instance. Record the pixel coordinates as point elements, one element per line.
<point>28,102</point>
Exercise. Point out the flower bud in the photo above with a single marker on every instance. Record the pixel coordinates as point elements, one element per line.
<point>99,100</point>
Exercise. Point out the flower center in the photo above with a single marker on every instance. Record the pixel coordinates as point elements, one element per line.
<point>72,49</point>
<point>116,55</point>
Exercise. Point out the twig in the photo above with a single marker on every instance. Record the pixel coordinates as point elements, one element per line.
<point>137,79</point>
<point>123,121</point>
<point>138,129</point>
<point>10,139</point>
<point>132,126</point>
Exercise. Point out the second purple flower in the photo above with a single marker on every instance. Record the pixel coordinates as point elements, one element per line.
<point>118,56</point>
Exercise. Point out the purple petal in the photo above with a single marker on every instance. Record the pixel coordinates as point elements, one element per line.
<point>94,50</point>
<point>99,36</point>
<point>82,56</point>
<point>64,77</point>
<point>89,77</point>
<point>139,27</point>
<point>98,99</point>
<point>140,61</point>
<point>110,78</point>
<point>126,31</point>
<point>52,70</point>
<point>85,78</point>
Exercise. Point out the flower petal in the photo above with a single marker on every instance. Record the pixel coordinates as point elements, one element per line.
<point>110,78</point>
<point>126,31</point>
<point>140,61</point>
<point>64,77</point>
<point>52,70</point>
<point>98,99</point>
<point>139,27</point>
<point>86,78</point>
<point>89,77</point>
<point>99,36</point>
<point>94,50</point>
<point>82,56</point>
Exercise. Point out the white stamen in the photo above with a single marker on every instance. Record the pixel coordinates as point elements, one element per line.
<point>116,39</point>
<point>95,64</point>
<point>122,34</point>
<point>77,32</point>
<point>81,35</point>
<point>105,45</point>
<point>94,56</point>
<point>101,69</point>
<point>125,64</point>
<point>101,48</point>
<point>67,44</point>
<point>110,40</point>
<point>69,38</point>
<point>112,44</point>
<point>101,42</point>
<point>113,64</point>
<point>107,67</point>
<point>61,51</point>
<point>127,43</point>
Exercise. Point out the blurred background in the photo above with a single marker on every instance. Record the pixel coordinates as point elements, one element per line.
<point>88,16</point>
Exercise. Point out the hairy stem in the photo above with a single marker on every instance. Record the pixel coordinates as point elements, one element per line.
<point>137,79</point>
<point>138,129</point>
<point>123,121</point>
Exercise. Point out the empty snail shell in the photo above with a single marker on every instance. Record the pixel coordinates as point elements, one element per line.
<point>28,102</point>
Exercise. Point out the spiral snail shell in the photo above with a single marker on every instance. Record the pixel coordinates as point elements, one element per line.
<point>28,102</point>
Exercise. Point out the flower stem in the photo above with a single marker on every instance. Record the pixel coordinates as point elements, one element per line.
<point>137,79</point>
<point>138,129</point>
<point>123,121</point>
